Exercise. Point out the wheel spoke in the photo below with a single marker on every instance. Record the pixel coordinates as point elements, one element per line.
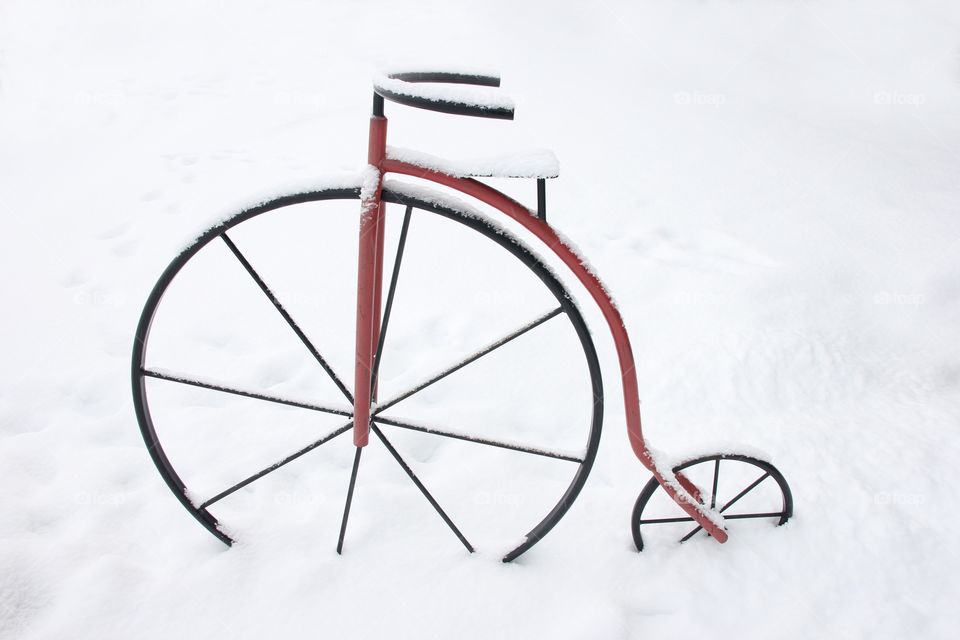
<point>716,479</point>
<point>745,516</point>
<point>476,356</point>
<point>286,316</point>
<point>691,534</point>
<point>422,488</point>
<point>750,488</point>
<point>290,458</point>
<point>738,516</point>
<point>487,441</point>
<point>730,503</point>
<point>390,294</point>
<point>665,520</point>
<point>349,501</point>
<point>246,393</point>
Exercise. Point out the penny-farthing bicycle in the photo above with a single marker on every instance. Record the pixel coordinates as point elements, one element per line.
<point>471,363</point>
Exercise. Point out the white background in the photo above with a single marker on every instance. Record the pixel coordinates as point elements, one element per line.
<point>768,188</point>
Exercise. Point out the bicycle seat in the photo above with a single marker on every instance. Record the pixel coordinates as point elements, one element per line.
<point>535,163</point>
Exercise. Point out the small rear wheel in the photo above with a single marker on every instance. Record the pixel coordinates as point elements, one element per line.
<point>744,489</point>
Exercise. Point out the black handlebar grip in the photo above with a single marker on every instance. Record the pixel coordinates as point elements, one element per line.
<point>396,91</point>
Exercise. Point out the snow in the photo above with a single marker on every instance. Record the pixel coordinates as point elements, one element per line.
<point>664,466</point>
<point>674,458</point>
<point>364,180</point>
<point>368,189</point>
<point>471,95</point>
<point>537,163</point>
<point>433,195</point>
<point>770,189</point>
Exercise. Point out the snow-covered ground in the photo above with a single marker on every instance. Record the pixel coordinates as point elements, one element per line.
<point>770,189</point>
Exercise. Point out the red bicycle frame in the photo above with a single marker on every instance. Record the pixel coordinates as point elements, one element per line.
<point>369,291</point>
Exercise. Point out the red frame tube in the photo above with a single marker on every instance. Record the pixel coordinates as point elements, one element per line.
<point>682,491</point>
<point>369,287</point>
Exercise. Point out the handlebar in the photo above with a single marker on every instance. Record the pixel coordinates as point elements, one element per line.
<point>402,88</point>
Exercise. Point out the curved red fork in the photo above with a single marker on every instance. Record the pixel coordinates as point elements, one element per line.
<point>680,489</point>
<point>691,488</point>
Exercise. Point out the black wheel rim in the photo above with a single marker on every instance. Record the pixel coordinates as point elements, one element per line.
<point>765,471</point>
<point>512,245</point>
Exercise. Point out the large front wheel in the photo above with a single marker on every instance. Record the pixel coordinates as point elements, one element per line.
<point>490,399</point>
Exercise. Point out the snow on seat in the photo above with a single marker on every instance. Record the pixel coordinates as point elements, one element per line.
<point>536,163</point>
